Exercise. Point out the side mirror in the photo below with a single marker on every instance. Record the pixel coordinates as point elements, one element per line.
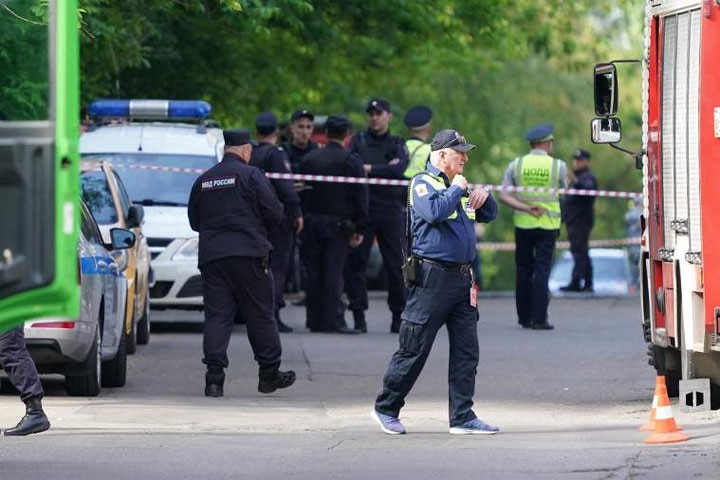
<point>136,214</point>
<point>605,130</point>
<point>606,90</point>
<point>122,239</point>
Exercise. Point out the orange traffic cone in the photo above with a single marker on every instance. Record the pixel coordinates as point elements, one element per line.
<point>650,426</point>
<point>666,430</point>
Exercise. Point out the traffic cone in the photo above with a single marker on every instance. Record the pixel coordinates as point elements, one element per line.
<point>666,430</point>
<point>650,426</point>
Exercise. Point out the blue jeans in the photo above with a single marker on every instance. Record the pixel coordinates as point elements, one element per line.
<point>440,298</point>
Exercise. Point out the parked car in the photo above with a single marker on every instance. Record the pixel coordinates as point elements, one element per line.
<point>611,273</point>
<point>89,350</point>
<point>105,195</point>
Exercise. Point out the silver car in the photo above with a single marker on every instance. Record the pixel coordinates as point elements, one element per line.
<point>611,273</point>
<point>90,350</point>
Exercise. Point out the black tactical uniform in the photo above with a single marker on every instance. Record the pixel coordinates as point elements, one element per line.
<point>387,214</point>
<point>333,213</point>
<point>233,206</point>
<point>296,154</point>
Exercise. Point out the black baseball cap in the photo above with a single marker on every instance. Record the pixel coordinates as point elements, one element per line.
<point>418,116</point>
<point>297,115</point>
<point>450,138</point>
<point>265,123</point>
<point>581,154</point>
<point>378,104</point>
<point>237,137</point>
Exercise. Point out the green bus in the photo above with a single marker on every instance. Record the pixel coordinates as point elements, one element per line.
<point>39,171</point>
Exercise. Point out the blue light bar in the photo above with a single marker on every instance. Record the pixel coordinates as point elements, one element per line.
<point>150,109</point>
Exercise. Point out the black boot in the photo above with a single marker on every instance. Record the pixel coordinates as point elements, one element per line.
<point>214,384</point>
<point>271,378</point>
<point>360,324</point>
<point>395,326</point>
<point>34,421</point>
<point>573,286</point>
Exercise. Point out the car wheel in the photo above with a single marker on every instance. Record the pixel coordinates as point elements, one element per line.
<point>131,340</point>
<point>143,326</point>
<point>88,383</point>
<point>114,372</point>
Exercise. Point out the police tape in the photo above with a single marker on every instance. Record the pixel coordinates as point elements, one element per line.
<point>396,182</point>
<point>510,246</point>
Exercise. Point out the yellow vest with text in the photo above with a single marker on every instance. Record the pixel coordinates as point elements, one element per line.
<point>538,171</point>
<point>419,152</point>
<point>439,185</point>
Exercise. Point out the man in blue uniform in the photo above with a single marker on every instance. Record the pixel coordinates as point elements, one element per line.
<point>579,217</point>
<point>442,290</point>
<point>268,157</point>
<point>233,206</point>
<point>336,217</point>
<point>19,366</point>
<point>384,156</point>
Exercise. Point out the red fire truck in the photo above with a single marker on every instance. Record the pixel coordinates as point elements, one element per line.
<point>680,160</point>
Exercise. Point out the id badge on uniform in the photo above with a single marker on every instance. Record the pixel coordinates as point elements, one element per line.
<point>473,295</point>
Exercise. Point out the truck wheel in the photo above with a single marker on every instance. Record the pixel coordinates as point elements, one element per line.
<point>131,340</point>
<point>143,326</point>
<point>114,372</point>
<point>88,383</point>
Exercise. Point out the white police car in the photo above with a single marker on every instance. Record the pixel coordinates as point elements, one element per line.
<point>159,148</point>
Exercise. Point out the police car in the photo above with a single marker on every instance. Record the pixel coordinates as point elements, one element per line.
<point>159,148</point>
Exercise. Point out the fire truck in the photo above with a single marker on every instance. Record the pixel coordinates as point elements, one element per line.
<point>680,161</point>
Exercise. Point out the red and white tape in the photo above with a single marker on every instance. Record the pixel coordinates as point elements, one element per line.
<point>510,246</point>
<point>397,182</point>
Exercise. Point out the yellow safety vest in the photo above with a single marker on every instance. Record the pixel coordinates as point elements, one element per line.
<point>419,152</point>
<point>538,171</point>
<point>439,185</point>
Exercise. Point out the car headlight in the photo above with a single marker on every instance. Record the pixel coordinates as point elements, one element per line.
<point>121,258</point>
<point>188,250</point>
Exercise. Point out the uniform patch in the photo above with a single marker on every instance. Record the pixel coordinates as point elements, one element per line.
<point>217,183</point>
<point>421,190</point>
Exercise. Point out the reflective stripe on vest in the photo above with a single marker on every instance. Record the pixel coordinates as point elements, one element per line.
<point>538,171</point>
<point>439,185</point>
<point>419,153</point>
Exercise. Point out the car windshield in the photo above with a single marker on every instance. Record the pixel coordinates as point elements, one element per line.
<point>148,183</point>
<point>97,196</point>
<point>604,269</point>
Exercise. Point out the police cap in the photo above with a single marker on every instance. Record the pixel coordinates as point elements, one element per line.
<point>540,133</point>
<point>450,139</point>
<point>378,104</point>
<point>302,114</point>
<point>337,125</point>
<point>581,154</point>
<point>237,137</point>
<point>418,116</point>
<point>265,123</point>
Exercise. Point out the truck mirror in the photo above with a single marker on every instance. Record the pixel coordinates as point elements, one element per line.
<point>605,130</point>
<point>606,89</point>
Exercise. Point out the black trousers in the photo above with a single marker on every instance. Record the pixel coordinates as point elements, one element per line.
<point>281,239</point>
<point>579,237</point>
<point>388,223</point>
<point>16,361</point>
<point>533,260</point>
<point>440,298</point>
<point>244,283</point>
<point>324,250</point>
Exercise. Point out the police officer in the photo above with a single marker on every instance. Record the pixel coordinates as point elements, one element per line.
<point>537,224</point>
<point>579,217</point>
<point>336,217</point>
<point>302,124</point>
<point>20,368</point>
<point>418,120</point>
<point>441,287</point>
<point>233,206</point>
<point>271,158</point>
<point>384,156</point>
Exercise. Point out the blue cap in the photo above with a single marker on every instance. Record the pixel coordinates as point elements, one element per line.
<point>540,133</point>
<point>418,116</point>
<point>378,104</point>
<point>265,123</point>
<point>581,154</point>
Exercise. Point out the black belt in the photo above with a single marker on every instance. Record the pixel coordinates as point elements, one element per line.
<point>449,266</point>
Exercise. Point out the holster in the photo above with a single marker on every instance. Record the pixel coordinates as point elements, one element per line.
<point>411,270</point>
<point>346,227</point>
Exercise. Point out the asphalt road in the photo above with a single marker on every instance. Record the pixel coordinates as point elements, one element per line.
<point>568,402</point>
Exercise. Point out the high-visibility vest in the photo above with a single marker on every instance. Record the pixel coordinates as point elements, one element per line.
<point>419,153</point>
<point>538,171</point>
<point>439,185</point>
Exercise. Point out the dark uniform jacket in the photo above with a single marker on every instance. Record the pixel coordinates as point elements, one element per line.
<point>272,159</point>
<point>379,151</point>
<point>341,199</point>
<point>577,210</point>
<point>233,206</point>
<point>296,154</point>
